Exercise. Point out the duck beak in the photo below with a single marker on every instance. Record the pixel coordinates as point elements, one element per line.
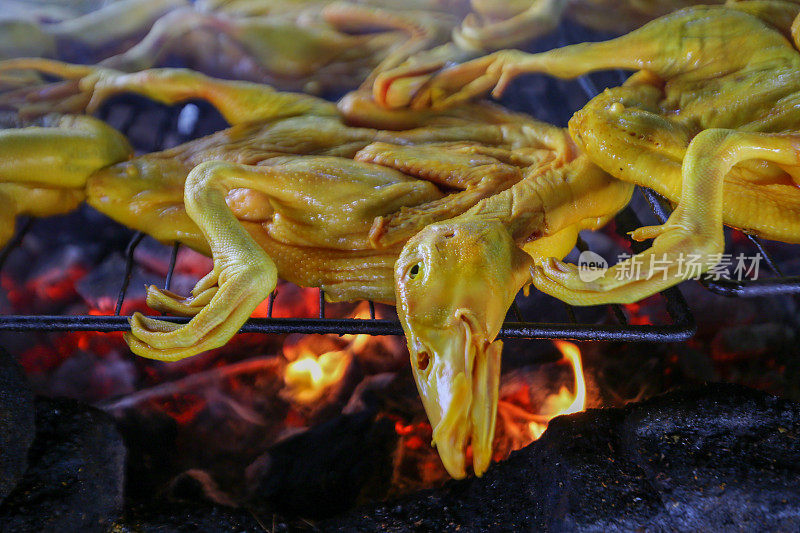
<point>458,377</point>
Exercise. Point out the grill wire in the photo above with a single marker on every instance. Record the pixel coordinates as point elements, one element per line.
<point>682,324</point>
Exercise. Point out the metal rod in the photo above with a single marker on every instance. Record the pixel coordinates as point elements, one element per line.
<point>271,302</point>
<point>570,313</point>
<point>619,314</point>
<point>765,254</point>
<point>172,259</point>
<point>517,312</point>
<point>639,333</point>
<point>581,244</point>
<point>15,241</point>
<point>371,310</point>
<point>129,251</point>
<point>127,122</point>
<point>161,132</point>
<point>321,303</point>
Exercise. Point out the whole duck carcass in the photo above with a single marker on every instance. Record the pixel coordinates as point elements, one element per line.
<point>493,25</point>
<point>709,120</point>
<point>323,197</point>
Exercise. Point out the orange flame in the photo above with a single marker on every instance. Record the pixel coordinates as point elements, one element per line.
<point>565,402</point>
<point>360,341</point>
<point>308,377</point>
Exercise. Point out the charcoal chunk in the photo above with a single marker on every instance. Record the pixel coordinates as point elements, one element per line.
<point>325,470</point>
<point>718,457</point>
<point>75,476</point>
<point>17,417</point>
<point>172,517</point>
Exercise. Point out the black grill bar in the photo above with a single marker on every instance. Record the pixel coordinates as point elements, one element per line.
<point>345,326</point>
<point>129,251</point>
<point>173,258</point>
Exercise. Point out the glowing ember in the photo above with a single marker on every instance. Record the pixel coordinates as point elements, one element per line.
<point>564,402</point>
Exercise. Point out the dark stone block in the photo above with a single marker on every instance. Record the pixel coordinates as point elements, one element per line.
<point>17,428</point>
<point>720,457</point>
<point>327,469</point>
<point>174,517</point>
<point>75,476</point>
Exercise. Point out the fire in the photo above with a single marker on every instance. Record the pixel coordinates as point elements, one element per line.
<point>308,377</point>
<point>565,402</point>
<point>359,342</point>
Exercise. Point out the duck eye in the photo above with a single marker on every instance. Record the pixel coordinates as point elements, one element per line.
<point>412,273</point>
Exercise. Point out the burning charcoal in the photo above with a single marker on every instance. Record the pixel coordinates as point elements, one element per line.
<point>153,256</point>
<point>42,280</point>
<point>326,469</point>
<point>218,421</point>
<point>74,481</point>
<point>198,485</point>
<point>750,340</point>
<point>719,457</point>
<point>88,377</point>
<point>16,423</point>
<point>367,393</point>
<point>101,286</point>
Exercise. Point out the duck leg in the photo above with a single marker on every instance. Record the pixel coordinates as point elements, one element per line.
<point>692,234</point>
<point>693,42</point>
<point>243,274</point>
<point>85,88</point>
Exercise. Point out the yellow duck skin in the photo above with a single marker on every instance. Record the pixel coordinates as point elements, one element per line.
<point>709,120</point>
<point>315,45</point>
<point>494,25</point>
<point>81,29</point>
<point>330,197</point>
